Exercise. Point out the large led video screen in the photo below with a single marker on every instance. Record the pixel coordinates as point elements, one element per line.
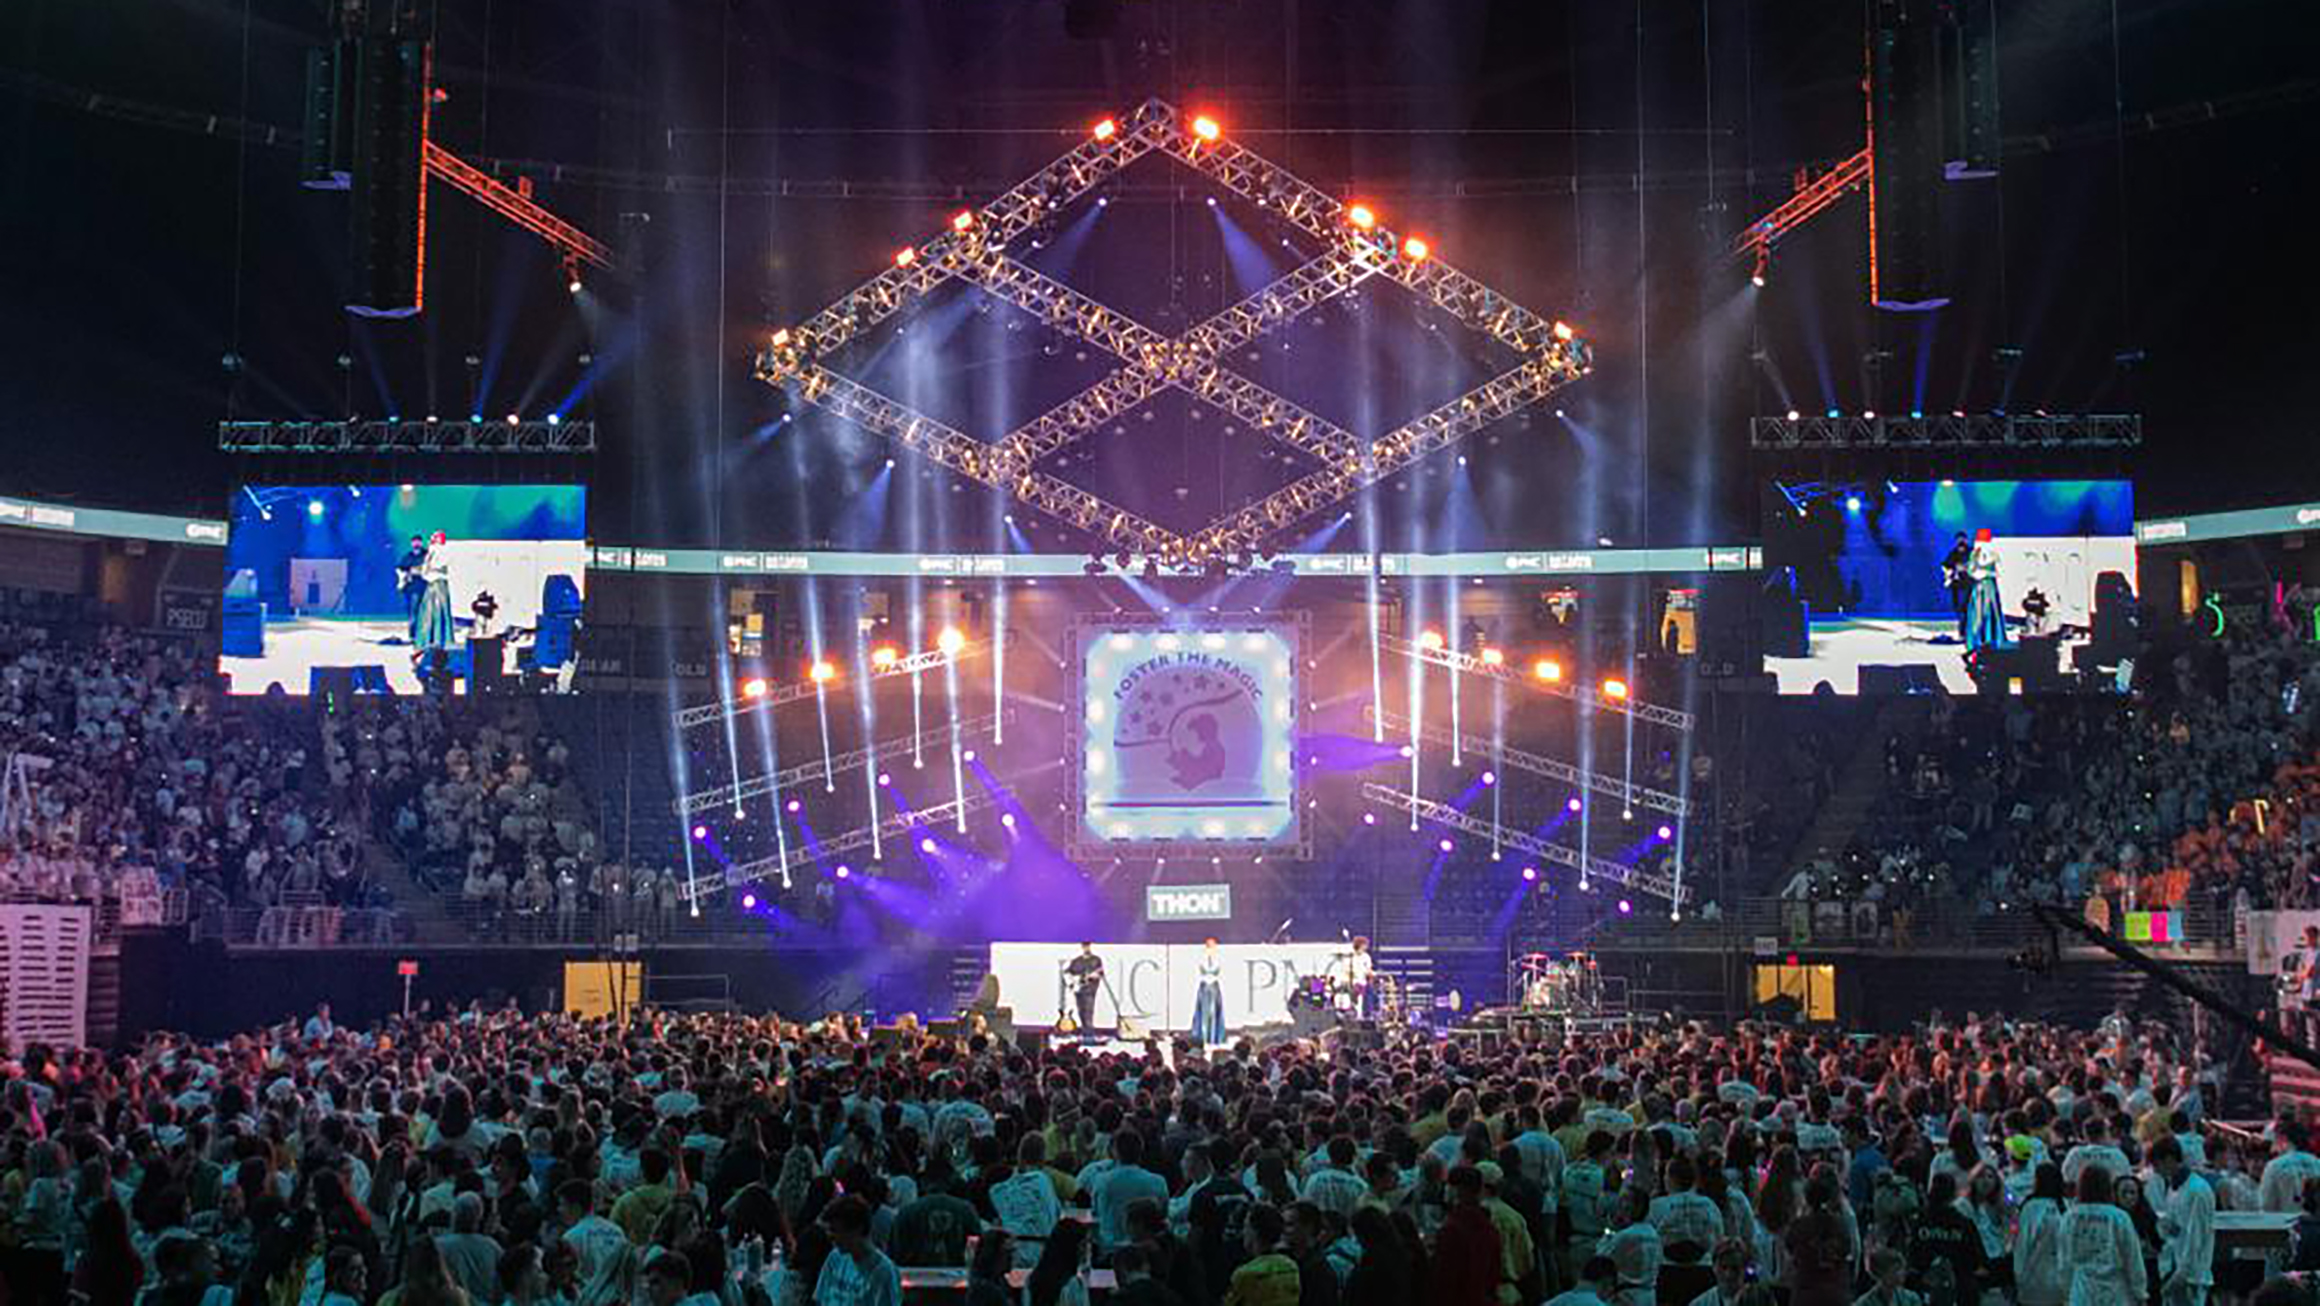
<point>1187,735</point>
<point>405,589</point>
<point>1981,586</point>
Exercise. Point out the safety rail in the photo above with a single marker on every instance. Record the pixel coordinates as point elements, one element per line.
<point>1807,924</point>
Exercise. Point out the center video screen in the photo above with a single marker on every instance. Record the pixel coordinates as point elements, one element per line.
<point>1979,586</point>
<point>404,589</point>
<point>1188,735</point>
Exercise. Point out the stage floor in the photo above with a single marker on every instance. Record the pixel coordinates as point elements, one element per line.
<point>294,648</point>
<point>1838,649</point>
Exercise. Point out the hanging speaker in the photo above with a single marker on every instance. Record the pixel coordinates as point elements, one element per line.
<point>388,241</point>
<point>1905,164</point>
<point>326,156</point>
<point>1970,144</point>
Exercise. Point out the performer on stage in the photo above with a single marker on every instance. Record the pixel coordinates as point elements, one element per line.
<point>1086,973</point>
<point>1953,575</point>
<point>410,584</point>
<point>1356,971</point>
<point>1208,1004</point>
<point>1985,613</point>
<point>431,624</point>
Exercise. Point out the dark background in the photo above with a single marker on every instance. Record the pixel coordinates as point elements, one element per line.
<point>1592,159</point>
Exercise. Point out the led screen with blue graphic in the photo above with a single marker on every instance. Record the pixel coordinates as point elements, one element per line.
<point>1188,735</point>
<point>1976,585</point>
<point>404,588</point>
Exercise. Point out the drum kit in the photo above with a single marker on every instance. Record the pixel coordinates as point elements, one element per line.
<point>1567,986</point>
<point>1334,991</point>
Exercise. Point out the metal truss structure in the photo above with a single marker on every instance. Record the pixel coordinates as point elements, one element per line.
<point>757,786</point>
<point>974,251</point>
<point>1812,198</point>
<point>399,437</point>
<point>1953,431</point>
<point>515,203</point>
<point>776,695</point>
<point>1589,867</point>
<point>749,872</point>
<point>1634,795</point>
<point>1592,699</point>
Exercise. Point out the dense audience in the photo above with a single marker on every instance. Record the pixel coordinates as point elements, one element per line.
<point>494,1157</point>
<point>149,769</point>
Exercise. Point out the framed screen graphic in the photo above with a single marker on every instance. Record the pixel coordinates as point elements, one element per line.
<point>1188,736</point>
<point>404,588</point>
<point>1991,586</point>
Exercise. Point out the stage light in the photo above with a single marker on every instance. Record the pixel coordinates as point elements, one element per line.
<point>1445,845</point>
<point>845,872</point>
<point>1572,805</point>
<point>1491,657</point>
<point>885,778</point>
<point>1625,906</point>
<point>1431,639</point>
<point>475,417</point>
<point>754,687</point>
<point>512,420</point>
<point>1206,128</point>
<point>1852,503</point>
<point>905,256</point>
<point>1490,777</point>
<point>963,220</point>
<point>573,285</point>
<point>793,806</point>
<point>700,832</point>
<point>1916,414</point>
<point>950,641</point>
<point>1834,413</point>
<point>314,509</point>
<point>926,845</point>
<point>1007,819</point>
<point>1369,818</point>
<point>1415,250</point>
<point>1756,279</point>
<point>1563,331</point>
<point>555,419</point>
<point>781,337</point>
<point>1666,833</point>
<point>749,902</point>
<point>1530,872</point>
<point>883,656</point>
<point>1794,415</point>
<point>1547,669</point>
<point>1212,201</point>
<point>969,755</point>
<point>1615,689</point>
<point>1105,130</point>
<point>1361,216</point>
<point>823,673</point>
<point>1869,414</point>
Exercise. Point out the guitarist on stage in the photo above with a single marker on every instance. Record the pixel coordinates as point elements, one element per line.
<point>1086,973</point>
<point>410,584</point>
<point>1953,576</point>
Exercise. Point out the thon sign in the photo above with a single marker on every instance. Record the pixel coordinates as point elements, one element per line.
<point>1188,902</point>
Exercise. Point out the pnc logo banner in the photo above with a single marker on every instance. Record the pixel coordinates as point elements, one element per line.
<point>1188,902</point>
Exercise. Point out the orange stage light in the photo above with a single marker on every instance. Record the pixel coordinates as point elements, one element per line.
<point>1615,689</point>
<point>1415,249</point>
<point>1361,216</point>
<point>1547,669</point>
<point>962,219</point>
<point>1205,128</point>
<point>950,642</point>
<point>1492,657</point>
<point>754,687</point>
<point>884,656</point>
<point>905,256</point>
<point>1105,130</point>
<point>823,673</point>
<point>1431,639</point>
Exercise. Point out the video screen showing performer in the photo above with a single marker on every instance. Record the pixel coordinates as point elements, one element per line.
<point>1974,586</point>
<point>404,589</point>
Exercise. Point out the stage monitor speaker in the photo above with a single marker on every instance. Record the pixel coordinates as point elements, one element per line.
<point>1970,144</point>
<point>388,243</point>
<point>1905,165</point>
<point>1908,678</point>
<point>487,665</point>
<point>1031,1042</point>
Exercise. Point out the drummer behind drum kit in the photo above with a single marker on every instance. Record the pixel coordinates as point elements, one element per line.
<point>1572,986</point>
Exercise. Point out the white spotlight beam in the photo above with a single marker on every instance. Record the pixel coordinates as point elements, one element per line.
<point>1585,696</point>
<point>758,786</point>
<point>1634,795</point>
<point>1593,868</point>
<point>740,873</point>
<point>777,695</point>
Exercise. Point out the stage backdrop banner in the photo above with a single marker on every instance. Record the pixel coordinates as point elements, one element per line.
<point>1188,734</point>
<point>1156,983</point>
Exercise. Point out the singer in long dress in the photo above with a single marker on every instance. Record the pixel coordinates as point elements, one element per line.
<point>1985,611</point>
<point>1208,1002</point>
<point>432,628</point>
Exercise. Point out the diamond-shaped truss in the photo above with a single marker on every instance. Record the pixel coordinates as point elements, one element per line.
<point>1550,354</point>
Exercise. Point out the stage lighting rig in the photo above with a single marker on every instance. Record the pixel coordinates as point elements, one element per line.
<point>1356,246</point>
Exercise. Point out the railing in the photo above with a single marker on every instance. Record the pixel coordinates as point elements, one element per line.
<point>307,927</point>
<point>1859,924</point>
<point>717,923</point>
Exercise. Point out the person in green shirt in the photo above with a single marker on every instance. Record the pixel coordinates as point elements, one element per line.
<point>640,1208</point>
<point>1267,1278</point>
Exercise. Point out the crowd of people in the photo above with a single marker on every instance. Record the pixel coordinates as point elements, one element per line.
<point>728,1160</point>
<point>141,766</point>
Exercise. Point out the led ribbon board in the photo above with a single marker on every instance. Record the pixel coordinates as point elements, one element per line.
<point>1187,738</point>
